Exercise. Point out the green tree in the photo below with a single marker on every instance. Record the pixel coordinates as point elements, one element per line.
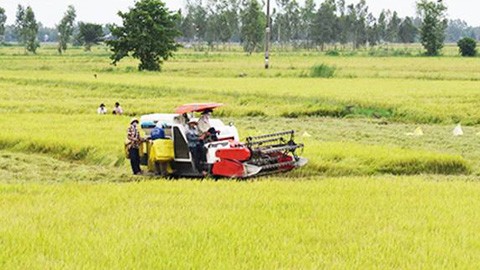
<point>89,34</point>
<point>308,17</point>
<point>65,28</point>
<point>393,28</point>
<point>467,47</point>
<point>148,32</point>
<point>3,19</point>
<point>407,32</point>
<point>344,23</point>
<point>187,27</point>
<point>434,24</point>
<point>253,22</point>
<point>382,25</point>
<point>373,36</point>
<point>288,21</point>
<point>26,28</point>
<point>324,25</point>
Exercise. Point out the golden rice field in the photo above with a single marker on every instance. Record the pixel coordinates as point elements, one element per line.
<point>373,195</point>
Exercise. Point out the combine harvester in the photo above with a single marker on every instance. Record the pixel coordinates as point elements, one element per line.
<point>227,157</point>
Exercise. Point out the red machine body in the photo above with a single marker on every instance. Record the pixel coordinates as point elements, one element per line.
<point>228,168</point>
<point>238,153</point>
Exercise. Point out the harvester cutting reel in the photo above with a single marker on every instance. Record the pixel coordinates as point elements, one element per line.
<point>273,153</point>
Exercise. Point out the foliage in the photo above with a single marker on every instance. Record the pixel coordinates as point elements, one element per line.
<point>65,28</point>
<point>3,19</point>
<point>148,32</point>
<point>287,22</point>
<point>457,29</point>
<point>252,29</point>
<point>89,34</point>
<point>467,46</point>
<point>26,28</point>
<point>433,26</point>
<point>325,26</point>
<point>322,71</point>
<point>407,31</point>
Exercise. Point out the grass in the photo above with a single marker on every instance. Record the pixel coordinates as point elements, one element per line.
<point>371,196</point>
<point>322,71</point>
<point>339,223</point>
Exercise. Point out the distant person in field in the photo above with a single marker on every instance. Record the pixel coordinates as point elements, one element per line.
<point>101,109</point>
<point>204,126</point>
<point>117,109</point>
<point>133,146</point>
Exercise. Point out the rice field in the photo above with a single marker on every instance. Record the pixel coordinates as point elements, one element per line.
<point>374,195</point>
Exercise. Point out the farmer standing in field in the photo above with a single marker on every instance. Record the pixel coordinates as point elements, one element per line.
<point>134,141</point>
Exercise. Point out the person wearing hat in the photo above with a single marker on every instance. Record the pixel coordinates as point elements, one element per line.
<point>101,109</point>
<point>204,126</point>
<point>134,141</point>
<point>195,146</point>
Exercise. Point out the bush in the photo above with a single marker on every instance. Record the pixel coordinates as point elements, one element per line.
<point>322,71</point>
<point>467,46</point>
<point>334,52</point>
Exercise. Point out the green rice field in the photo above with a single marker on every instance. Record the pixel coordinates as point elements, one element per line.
<point>375,194</point>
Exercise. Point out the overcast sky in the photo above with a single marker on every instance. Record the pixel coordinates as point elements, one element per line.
<point>50,12</point>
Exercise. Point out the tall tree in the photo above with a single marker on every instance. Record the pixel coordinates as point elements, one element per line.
<point>148,33</point>
<point>253,22</point>
<point>26,28</point>
<point>288,20</point>
<point>324,25</point>
<point>65,28</point>
<point>199,16</point>
<point>89,34</point>
<point>393,28</point>
<point>3,19</point>
<point>356,22</point>
<point>308,15</point>
<point>407,32</point>
<point>434,23</point>
<point>344,24</point>
<point>458,29</point>
<point>373,36</point>
<point>382,25</point>
<point>187,27</point>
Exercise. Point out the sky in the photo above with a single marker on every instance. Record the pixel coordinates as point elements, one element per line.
<point>50,12</point>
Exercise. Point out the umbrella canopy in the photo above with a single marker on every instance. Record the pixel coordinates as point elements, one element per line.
<point>196,107</point>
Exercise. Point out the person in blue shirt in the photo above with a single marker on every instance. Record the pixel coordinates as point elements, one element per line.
<point>196,147</point>
<point>158,132</point>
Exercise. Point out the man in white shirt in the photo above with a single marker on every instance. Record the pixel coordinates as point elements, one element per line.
<point>102,109</point>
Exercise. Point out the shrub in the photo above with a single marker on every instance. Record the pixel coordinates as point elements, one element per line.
<point>334,52</point>
<point>322,71</point>
<point>467,46</point>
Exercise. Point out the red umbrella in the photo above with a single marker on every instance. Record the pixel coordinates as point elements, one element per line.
<point>196,107</point>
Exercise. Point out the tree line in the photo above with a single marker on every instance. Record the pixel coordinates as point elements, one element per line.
<point>151,32</point>
<point>225,21</point>
<point>29,32</point>
<point>307,25</point>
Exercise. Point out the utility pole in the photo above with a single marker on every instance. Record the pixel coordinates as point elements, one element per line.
<point>267,35</point>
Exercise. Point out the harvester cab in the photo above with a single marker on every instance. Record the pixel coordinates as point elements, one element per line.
<point>225,157</point>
